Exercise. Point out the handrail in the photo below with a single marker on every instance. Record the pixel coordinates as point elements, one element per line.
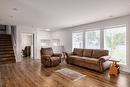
<point>13,41</point>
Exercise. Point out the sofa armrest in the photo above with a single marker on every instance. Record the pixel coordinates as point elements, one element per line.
<point>68,54</point>
<point>104,58</point>
<point>57,55</point>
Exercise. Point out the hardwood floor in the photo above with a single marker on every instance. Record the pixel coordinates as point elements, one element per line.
<point>30,73</point>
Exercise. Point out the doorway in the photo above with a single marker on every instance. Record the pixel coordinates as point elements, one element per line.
<point>27,45</point>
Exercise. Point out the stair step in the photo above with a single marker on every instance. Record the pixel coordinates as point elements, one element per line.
<point>2,47</point>
<point>7,62</point>
<point>6,52</point>
<point>6,49</point>
<point>5,39</point>
<point>5,44</point>
<point>5,35</point>
<point>7,58</point>
<point>6,55</point>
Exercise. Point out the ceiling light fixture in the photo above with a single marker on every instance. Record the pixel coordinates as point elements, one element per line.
<point>11,16</point>
<point>110,16</point>
<point>47,29</point>
<point>15,9</point>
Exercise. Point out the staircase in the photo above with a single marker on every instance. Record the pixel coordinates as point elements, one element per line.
<point>6,49</point>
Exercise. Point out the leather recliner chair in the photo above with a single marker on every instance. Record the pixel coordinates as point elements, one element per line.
<point>48,58</point>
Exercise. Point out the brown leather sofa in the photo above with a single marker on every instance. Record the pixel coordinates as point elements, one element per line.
<point>48,58</point>
<point>95,59</point>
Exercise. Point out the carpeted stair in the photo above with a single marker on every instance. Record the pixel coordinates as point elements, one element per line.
<point>6,49</point>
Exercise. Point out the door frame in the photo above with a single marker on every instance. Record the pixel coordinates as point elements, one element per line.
<point>32,49</point>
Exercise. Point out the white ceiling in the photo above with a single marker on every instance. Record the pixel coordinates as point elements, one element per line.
<point>56,14</point>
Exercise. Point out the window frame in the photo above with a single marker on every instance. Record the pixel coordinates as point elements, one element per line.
<point>101,30</point>
<point>107,28</point>
<point>97,29</point>
<point>82,38</point>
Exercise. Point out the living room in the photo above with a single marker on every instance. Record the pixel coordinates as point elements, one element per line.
<point>65,27</point>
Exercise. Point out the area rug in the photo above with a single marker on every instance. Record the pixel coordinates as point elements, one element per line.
<point>70,74</point>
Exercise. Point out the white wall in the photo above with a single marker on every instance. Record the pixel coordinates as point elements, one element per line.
<point>65,35</point>
<point>65,38</point>
<point>8,30</point>
<point>24,29</point>
<point>37,36</point>
<point>26,40</point>
<point>41,35</point>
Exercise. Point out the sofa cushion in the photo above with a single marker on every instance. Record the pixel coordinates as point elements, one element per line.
<point>78,51</point>
<point>55,59</point>
<point>47,51</point>
<point>97,53</point>
<point>87,52</point>
<point>91,60</point>
<point>74,57</point>
<point>85,59</point>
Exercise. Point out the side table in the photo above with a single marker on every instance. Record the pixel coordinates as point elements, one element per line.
<point>115,68</point>
<point>64,56</point>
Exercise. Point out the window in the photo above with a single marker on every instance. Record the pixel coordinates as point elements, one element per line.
<point>92,39</point>
<point>55,42</point>
<point>113,39</point>
<point>115,42</point>
<point>77,40</point>
<point>45,43</point>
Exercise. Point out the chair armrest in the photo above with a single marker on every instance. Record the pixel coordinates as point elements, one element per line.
<point>104,58</point>
<point>57,55</point>
<point>46,60</point>
<point>46,57</point>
